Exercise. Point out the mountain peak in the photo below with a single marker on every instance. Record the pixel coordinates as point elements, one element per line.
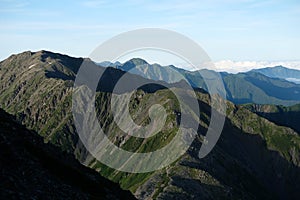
<point>41,55</point>
<point>44,54</point>
<point>53,65</point>
<point>280,67</point>
<point>137,61</point>
<point>132,63</point>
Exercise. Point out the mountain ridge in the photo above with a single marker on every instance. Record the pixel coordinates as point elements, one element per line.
<point>32,169</point>
<point>245,87</point>
<point>281,115</point>
<point>239,167</point>
<point>292,75</point>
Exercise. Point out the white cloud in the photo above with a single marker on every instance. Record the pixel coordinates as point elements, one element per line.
<point>243,66</point>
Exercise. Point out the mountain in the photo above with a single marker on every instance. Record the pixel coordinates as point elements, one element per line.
<point>253,159</point>
<point>155,71</point>
<point>109,64</point>
<point>281,115</point>
<point>249,87</point>
<point>281,72</point>
<point>31,169</point>
<point>252,87</point>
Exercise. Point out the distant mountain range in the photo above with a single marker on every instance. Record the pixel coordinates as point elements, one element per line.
<point>255,158</point>
<point>264,86</point>
<point>281,72</point>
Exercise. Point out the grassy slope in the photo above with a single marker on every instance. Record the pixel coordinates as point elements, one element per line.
<point>44,104</point>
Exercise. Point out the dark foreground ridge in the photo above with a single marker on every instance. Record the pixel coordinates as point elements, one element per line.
<point>31,169</point>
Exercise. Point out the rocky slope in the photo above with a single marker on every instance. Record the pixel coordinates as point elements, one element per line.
<point>31,169</point>
<point>281,115</point>
<point>253,159</point>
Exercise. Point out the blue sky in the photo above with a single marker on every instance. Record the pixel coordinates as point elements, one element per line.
<point>228,30</point>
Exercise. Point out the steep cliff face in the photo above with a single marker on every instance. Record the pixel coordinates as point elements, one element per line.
<point>254,158</point>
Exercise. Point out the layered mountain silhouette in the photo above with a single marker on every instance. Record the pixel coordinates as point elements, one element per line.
<point>262,86</point>
<point>255,157</point>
